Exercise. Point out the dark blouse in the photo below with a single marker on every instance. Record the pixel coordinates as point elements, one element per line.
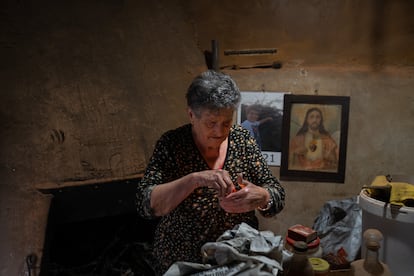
<point>199,218</point>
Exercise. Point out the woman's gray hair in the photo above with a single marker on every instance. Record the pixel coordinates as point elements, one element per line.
<point>212,90</point>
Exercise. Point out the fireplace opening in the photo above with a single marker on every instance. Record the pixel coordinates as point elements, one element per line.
<point>94,229</point>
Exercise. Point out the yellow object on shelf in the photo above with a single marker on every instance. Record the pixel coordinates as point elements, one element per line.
<point>402,194</point>
<point>380,180</point>
<point>396,193</point>
<point>320,266</point>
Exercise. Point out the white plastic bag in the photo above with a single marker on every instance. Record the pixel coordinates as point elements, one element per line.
<point>339,224</point>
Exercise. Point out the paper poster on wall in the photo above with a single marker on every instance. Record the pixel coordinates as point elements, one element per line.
<point>262,114</point>
<point>314,139</point>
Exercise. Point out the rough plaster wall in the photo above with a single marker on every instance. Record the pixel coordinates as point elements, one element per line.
<point>88,87</point>
<point>315,32</point>
<point>96,76</point>
<point>379,136</point>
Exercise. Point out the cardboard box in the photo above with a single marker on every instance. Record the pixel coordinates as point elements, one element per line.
<point>300,232</point>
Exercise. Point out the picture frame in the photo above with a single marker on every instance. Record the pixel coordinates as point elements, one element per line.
<point>314,149</point>
<point>269,111</point>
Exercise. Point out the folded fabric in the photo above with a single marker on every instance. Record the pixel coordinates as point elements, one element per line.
<point>402,194</point>
<point>399,193</point>
<point>242,250</point>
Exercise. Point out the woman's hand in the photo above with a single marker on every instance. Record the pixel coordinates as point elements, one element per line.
<point>218,180</point>
<point>246,199</point>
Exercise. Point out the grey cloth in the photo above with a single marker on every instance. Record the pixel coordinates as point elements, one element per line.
<point>241,251</point>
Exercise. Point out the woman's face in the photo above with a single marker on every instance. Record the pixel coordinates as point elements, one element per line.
<point>212,127</point>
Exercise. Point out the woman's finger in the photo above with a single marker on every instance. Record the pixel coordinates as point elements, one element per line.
<point>225,183</point>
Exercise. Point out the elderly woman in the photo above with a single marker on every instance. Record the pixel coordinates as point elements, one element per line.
<point>205,177</point>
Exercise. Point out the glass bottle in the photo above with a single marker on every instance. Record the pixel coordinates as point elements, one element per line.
<point>371,264</point>
<point>299,264</point>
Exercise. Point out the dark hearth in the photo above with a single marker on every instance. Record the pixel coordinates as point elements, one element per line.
<point>95,230</point>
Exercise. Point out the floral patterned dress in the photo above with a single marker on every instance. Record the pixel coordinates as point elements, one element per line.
<point>199,218</point>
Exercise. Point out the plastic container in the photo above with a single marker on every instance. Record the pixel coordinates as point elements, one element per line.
<point>314,250</point>
<point>396,225</point>
<point>320,266</point>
